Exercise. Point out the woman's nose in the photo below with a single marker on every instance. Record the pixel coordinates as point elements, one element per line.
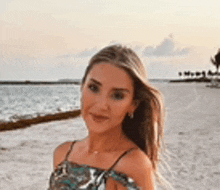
<point>103,103</point>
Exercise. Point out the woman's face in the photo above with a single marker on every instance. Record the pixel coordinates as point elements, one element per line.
<point>107,96</point>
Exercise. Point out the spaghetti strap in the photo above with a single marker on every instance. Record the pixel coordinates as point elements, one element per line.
<point>119,158</point>
<point>70,149</point>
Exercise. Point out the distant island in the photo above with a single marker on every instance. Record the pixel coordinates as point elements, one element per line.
<point>201,79</point>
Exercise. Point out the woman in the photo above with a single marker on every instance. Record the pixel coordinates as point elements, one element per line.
<point>124,117</point>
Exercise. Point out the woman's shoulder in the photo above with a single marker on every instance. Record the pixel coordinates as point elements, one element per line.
<point>137,165</point>
<point>63,146</point>
<point>60,152</point>
<point>136,159</point>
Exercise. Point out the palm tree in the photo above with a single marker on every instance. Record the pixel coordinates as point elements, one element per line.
<point>192,74</point>
<point>210,73</point>
<point>216,61</point>
<point>197,73</point>
<point>203,74</point>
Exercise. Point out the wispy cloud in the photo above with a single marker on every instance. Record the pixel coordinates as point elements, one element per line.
<point>87,52</point>
<point>166,48</point>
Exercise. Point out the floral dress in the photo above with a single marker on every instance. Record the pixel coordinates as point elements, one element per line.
<point>73,176</point>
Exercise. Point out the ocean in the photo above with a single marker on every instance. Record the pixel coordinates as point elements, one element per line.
<point>28,101</point>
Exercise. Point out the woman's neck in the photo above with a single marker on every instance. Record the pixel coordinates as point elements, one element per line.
<point>100,143</point>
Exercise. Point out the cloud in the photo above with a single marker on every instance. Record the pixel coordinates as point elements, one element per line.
<point>87,52</point>
<point>165,49</point>
<point>76,59</point>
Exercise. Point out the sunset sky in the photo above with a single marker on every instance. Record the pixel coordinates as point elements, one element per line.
<point>51,39</point>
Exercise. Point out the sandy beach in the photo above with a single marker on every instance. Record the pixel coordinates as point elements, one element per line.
<point>191,136</point>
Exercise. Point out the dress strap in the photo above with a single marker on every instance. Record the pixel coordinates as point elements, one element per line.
<point>70,149</point>
<point>119,158</point>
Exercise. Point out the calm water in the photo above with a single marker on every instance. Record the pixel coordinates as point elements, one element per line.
<point>28,101</point>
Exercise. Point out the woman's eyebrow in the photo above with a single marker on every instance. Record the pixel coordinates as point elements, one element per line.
<point>115,89</point>
<point>95,81</point>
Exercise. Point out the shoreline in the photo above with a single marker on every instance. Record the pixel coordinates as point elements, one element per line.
<point>23,123</point>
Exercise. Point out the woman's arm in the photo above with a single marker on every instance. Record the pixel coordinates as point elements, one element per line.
<point>138,166</point>
<point>145,177</point>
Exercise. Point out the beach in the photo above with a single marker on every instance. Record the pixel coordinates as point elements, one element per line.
<point>192,131</point>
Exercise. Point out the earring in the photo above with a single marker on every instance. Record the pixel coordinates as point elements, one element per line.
<point>131,115</point>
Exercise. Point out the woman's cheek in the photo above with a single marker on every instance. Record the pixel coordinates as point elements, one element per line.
<point>121,110</point>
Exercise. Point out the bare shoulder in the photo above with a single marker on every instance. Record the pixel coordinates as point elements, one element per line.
<point>138,166</point>
<point>60,153</point>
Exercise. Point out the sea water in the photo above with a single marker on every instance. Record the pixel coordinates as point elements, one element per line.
<point>29,101</point>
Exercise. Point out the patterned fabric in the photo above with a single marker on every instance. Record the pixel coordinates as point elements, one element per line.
<point>72,176</point>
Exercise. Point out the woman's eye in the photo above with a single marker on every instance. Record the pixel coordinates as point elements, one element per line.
<point>93,88</point>
<point>118,96</point>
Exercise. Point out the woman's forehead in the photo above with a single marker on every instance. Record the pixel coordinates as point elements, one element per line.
<point>109,74</point>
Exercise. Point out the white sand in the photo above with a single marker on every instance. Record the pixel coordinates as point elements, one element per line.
<point>192,136</point>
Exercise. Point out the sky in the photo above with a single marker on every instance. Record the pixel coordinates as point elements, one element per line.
<point>53,39</point>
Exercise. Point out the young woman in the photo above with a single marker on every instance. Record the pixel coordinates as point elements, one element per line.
<point>124,117</point>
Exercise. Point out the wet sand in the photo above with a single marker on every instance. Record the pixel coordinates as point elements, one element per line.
<point>191,135</point>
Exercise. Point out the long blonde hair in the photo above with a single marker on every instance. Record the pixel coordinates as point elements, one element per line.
<point>146,129</point>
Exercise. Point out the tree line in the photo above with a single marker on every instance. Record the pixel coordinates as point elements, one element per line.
<point>203,74</point>
<point>215,61</point>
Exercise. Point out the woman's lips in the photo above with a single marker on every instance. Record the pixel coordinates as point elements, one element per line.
<point>99,118</point>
